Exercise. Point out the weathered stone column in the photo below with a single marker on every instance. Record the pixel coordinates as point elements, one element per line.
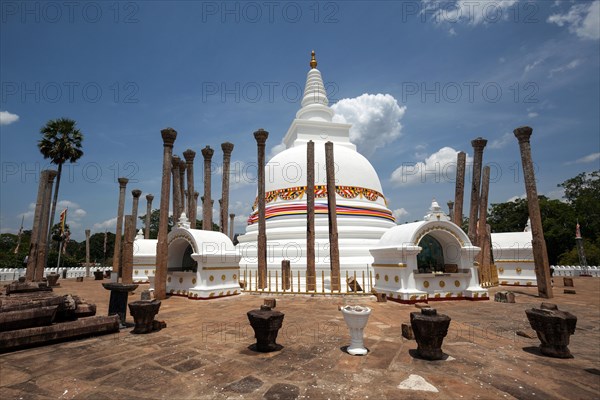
<point>189,156</point>
<point>227,149</point>
<point>311,273</point>
<point>478,145</point>
<point>334,251</point>
<point>44,245</point>
<point>87,252</point>
<point>119,230</point>
<point>450,209</point>
<point>207,153</point>
<point>261,138</point>
<point>160,279</point>
<point>221,215</point>
<point>35,230</point>
<point>231,227</point>
<point>194,211</point>
<point>149,199</point>
<point>459,192</point>
<point>176,188</point>
<point>540,254</point>
<point>182,196</point>
<point>136,193</point>
<point>127,269</point>
<point>484,269</point>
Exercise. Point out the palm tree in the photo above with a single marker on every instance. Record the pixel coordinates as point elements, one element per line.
<point>61,142</point>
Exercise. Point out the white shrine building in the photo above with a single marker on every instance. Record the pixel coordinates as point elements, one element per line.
<point>513,256</point>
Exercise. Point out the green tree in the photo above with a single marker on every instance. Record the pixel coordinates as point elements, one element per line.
<point>583,194</point>
<point>592,254</point>
<point>97,246</point>
<point>61,142</point>
<point>508,217</point>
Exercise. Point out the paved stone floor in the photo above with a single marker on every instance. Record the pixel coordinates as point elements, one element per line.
<point>203,353</point>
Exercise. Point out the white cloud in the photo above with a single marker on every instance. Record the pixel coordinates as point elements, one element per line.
<point>28,215</point>
<point>7,118</point>
<point>533,115</point>
<point>471,12</point>
<point>531,66</point>
<point>399,213</point>
<point>501,141</point>
<point>582,19</point>
<point>511,199</point>
<point>438,167</point>
<point>572,65</point>
<point>106,225</point>
<point>587,159</point>
<point>375,120</point>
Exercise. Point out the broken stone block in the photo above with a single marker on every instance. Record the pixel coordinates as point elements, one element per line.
<point>353,285</point>
<point>567,282</point>
<point>146,295</point>
<point>407,332</point>
<point>270,302</point>
<point>21,319</point>
<point>504,297</point>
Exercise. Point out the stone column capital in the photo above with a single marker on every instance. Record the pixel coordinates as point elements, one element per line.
<point>523,134</point>
<point>479,143</point>
<point>189,156</point>
<point>231,215</point>
<point>149,197</point>
<point>136,193</point>
<point>168,135</point>
<point>207,153</point>
<point>227,148</point>
<point>450,204</point>
<point>261,136</point>
<point>196,194</point>
<point>87,232</point>
<point>51,175</point>
<point>123,182</point>
<point>175,162</point>
<point>182,166</point>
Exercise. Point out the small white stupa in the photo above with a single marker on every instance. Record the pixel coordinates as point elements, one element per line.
<point>362,213</point>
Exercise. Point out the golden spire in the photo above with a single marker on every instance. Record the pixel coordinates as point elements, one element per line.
<point>313,60</point>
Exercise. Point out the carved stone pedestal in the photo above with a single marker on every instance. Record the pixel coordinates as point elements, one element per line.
<point>554,329</point>
<point>52,279</point>
<point>266,324</point>
<point>143,313</point>
<point>118,298</point>
<point>430,329</point>
<point>98,275</point>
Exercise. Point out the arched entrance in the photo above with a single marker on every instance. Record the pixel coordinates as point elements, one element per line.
<point>431,258</point>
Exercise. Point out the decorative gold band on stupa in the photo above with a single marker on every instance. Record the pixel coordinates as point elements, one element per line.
<point>313,60</point>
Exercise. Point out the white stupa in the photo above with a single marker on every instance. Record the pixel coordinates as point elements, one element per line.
<point>362,213</point>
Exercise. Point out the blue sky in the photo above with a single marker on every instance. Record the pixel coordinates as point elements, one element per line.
<point>446,72</point>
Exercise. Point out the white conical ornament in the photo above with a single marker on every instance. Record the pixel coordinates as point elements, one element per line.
<point>315,102</point>
<point>183,221</point>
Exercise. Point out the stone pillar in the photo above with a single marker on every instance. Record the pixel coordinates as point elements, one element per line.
<point>450,208</point>
<point>311,273</point>
<point>160,280</point>
<point>231,228</point>
<point>176,189</point>
<point>334,251</point>
<point>182,195</point>
<point>149,199</point>
<point>36,228</point>
<point>261,138</point>
<point>117,253</point>
<point>194,211</point>
<point>540,254</point>
<point>286,273</point>
<point>136,193</point>
<point>43,244</point>
<point>207,153</point>
<point>221,216</point>
<point>459,192</point>
<point>87,252</point>
<point>227,149</point>
<point>478,145</point>
<point>128,239</point>
<point>484,269</point>
<point>189,156</point>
